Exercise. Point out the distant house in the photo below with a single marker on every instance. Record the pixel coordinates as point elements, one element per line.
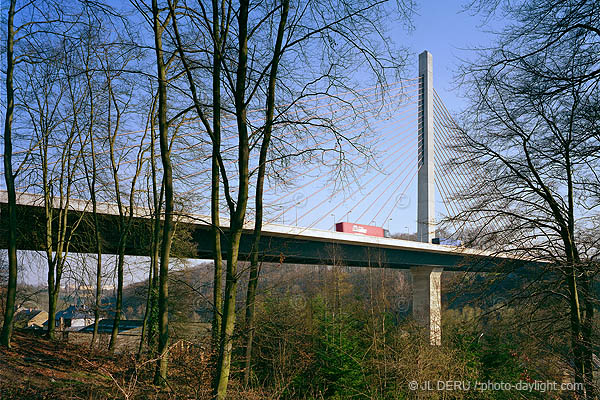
<point>73,318</point>
<point>30,318</point>
<point>129,334</point>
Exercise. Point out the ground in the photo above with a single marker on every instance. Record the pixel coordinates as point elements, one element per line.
<point>37,368</point>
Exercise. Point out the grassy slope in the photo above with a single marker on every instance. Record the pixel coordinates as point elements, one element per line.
<point>36,368</point>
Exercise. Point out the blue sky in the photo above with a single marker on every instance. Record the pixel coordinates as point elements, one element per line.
<point>449,33</point>
<point>445,30</point>
<point>442,28</point>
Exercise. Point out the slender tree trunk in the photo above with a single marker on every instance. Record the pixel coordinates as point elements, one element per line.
<point>158,200</point>
<point>150,326</point>
<point>9,178</point>
<point>125,229</point>
<point>150,316</point>
<point>575,321</point>
<point>98,296</point>
<point>577,339</point>
<point>57,259</point>
<point>226,344</point>
<point>92,179</point>
<point>260,180</point>
<point>580,334</point>
<point>98,239</point>
<point>54,259</point>
<point>214,194</point>
<point>250,307</point>
<point>167,234</point>
<point>586,336</point>
<point>119,302</point>
<point>49,252</point>
<point>237,212</point>
<point>125,215</point>
<point>112,132</point>
<point>146,314</point>
<point>155,258</point>
<point>52,300</point>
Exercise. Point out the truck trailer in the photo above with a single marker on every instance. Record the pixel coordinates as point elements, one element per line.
<point>360,229</point>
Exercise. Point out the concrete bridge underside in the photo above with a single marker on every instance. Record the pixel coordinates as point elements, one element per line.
<point>279,243</point>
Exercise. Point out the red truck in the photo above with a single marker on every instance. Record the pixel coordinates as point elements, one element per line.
<point>360,229</point>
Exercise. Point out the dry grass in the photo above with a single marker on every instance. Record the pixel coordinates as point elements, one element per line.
<point>37,368</point>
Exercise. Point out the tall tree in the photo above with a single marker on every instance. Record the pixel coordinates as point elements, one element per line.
<point>247,57</point>
<point>9,178</point>
<point>532,131</point>
<point>219,33</point>
<point>159,26</point>
<point>24,25</point>
<point>90,39</point>
<point>260,181</point>
<point>54,111</point>
<point>126,212</point>
<point>155,199</point>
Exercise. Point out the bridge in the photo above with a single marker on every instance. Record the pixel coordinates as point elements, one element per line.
<point>301,243</point>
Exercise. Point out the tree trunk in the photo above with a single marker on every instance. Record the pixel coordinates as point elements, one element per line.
<point>575,322</point>
<point>150,325</point>
<point>9,178</point>
<point>97,238</point>
<point>98,298</point>
<point>52,300</point>
<point>150,316</point>
<point>119,302</point>
<point>250,306</point>
<point>215,184</point>
<point>581,351</point>
<point>260,180</point>
<point>49,253</point>
<point>226,343</point>
<point>146,315</point>
<point>154,260</point>
<point>237,211</point>
<point>167,234</point>
<point>586,336</point>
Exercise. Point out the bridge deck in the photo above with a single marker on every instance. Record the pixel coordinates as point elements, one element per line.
<point>280,243</point>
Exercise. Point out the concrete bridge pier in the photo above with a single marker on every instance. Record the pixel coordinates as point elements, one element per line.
<point>427,300</point>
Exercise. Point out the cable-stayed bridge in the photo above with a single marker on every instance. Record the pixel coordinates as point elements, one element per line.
<point>372,156</point>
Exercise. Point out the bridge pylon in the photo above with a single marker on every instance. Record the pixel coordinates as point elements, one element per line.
<point>426,143</point>
<point>427,281</point>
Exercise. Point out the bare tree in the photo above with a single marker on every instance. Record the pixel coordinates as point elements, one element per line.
<point>91,167</point>
<point>155,200</point>
<point>260,181</point>
<point>530,138</point>
<point>25,24</point>
<point>9,178</point>
<point>251,55</point>
<point>54,109</point>
<point>116,105</point>
<point>158,26</point>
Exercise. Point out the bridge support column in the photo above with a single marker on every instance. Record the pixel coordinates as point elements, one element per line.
<point>427,300</point>
<point>426,153</point>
